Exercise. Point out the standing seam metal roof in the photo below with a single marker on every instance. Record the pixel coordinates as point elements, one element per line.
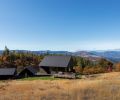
<point>31,69</point>
<point>55,61</point>
<point>7,71</point>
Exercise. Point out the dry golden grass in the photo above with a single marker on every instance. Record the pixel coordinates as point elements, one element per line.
<point>96,87</point>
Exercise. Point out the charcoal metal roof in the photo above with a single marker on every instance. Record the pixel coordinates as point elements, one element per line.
<point>55,61</point>
<point>31,69</point>
<point>7,71</point>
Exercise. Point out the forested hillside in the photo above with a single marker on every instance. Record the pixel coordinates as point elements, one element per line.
<point>81,65</point>
<point>19,59</point>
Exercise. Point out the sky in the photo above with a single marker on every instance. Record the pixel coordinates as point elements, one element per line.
<point>69,25</point>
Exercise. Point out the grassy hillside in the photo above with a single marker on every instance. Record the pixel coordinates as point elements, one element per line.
<point>94,87</point>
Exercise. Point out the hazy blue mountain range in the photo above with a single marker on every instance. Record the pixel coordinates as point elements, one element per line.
<point>113,55</point>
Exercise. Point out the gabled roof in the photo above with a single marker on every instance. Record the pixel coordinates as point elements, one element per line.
<point>31,69</point>
<point>55,61</point>
<point>7,71</point>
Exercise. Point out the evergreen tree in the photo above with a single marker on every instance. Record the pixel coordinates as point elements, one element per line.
<point>6,51</point>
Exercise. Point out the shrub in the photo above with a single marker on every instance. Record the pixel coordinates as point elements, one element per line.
<point>78,69</point>
<point>117,67</point>
<point>93,70</point>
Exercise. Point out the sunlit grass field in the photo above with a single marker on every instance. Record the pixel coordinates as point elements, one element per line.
<point>97,87</point>
<point>38,78</point>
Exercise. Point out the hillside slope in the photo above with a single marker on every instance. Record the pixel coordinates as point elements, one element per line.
<point>96,87</point>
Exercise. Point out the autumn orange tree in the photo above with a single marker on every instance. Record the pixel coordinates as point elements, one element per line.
<point>13,58</point>
<point>117,67</point>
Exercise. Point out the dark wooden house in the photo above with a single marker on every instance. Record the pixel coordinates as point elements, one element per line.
<point>28,72</point>
<point>55,64</point>
<point>7,73</point>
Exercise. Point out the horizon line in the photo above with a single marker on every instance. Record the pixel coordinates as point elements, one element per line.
<point>63,50</point>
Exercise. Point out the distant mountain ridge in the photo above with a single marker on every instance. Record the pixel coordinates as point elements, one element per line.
<point>113,55</point>
<point>110,55</point>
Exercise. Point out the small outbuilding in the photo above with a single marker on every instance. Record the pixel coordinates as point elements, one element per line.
<point>7,73</point>
<point>55,64</point>
<point>28,72</point>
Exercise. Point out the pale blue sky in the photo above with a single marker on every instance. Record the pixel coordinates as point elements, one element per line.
<point>60,24</point>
